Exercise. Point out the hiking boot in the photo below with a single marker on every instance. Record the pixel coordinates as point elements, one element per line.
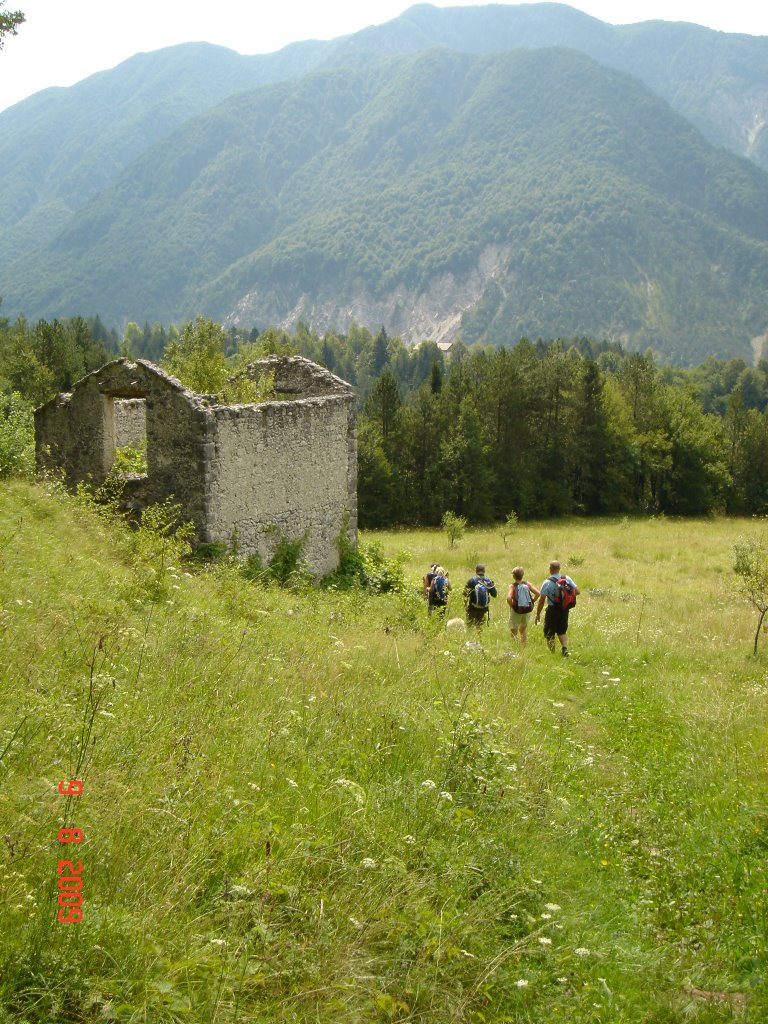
<point>565,653</point>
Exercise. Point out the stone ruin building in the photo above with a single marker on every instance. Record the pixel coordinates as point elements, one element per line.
<point>244,474</point>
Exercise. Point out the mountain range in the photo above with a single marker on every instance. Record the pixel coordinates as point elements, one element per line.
<point>487,173</point>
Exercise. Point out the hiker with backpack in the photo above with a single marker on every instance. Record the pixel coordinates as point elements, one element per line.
<point>438,591</point>
<point>559,591</point>
<point>521,598</point>
<point>427,581</point>
<point>478,591</point>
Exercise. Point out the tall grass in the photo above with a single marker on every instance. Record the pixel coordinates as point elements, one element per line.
<point>307,805</point>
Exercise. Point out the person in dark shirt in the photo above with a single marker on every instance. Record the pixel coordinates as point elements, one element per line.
<point>438,591</point>
<point>478,591</point>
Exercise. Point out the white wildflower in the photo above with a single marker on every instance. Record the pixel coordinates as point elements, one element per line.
<point>368,862</point>
<point>552,906</point>
<point>445,795</point>
<point>218,942</point>
<point>545,917</point>
<point>428,784</point>
<point>408,839</point>
<point>522,983</point>
<point>292,784</point>
<point>356,790</point>
<point>545,941</point>
<point>581,951</point>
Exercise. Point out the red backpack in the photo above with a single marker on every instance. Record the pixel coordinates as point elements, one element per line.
<point>565,592</point>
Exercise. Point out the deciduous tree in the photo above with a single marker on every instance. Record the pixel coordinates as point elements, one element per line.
<point>751,566</point>
<point>9,22</point>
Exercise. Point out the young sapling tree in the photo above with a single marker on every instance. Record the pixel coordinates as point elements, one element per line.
<point>751,566</point>
<point>454,526</point>
<point>509,526</point>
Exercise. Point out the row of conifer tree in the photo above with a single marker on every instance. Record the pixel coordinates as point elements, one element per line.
<point>541,429</point>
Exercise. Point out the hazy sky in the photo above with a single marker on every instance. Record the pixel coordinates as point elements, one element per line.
<point>64,41</point>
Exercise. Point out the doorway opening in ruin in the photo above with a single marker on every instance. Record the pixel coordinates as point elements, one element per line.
<point>125,435</point>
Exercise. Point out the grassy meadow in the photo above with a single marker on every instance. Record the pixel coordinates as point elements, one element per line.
<point>307,805</point>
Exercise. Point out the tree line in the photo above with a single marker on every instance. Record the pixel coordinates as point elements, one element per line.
<point>545,430</point>
<point>541,429</point>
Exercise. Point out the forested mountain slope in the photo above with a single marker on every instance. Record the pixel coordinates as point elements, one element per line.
<point>717,80</point>
<point>528,193</point>
<point>61,146</point>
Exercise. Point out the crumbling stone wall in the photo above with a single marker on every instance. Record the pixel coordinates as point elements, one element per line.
<point>130,421</point>
<point>77,433</point>
<point>287,468</point>
<point>244,473</point>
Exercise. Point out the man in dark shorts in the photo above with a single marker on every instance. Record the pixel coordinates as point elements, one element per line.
<point>556,615</point>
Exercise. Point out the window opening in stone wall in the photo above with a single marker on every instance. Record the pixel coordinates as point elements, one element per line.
<point>125,436</point>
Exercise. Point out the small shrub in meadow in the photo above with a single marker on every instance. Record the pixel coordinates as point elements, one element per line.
<point>454,526</point>
<point>509,526</point>
<point>751,566</point>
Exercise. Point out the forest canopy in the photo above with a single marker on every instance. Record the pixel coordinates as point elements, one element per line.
<point>570,426</point>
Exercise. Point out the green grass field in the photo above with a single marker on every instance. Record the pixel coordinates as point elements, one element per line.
<point>318,806</point>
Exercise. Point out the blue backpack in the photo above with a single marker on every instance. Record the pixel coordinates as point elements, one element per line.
<point>439,590</point>
<point>479,598</point>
